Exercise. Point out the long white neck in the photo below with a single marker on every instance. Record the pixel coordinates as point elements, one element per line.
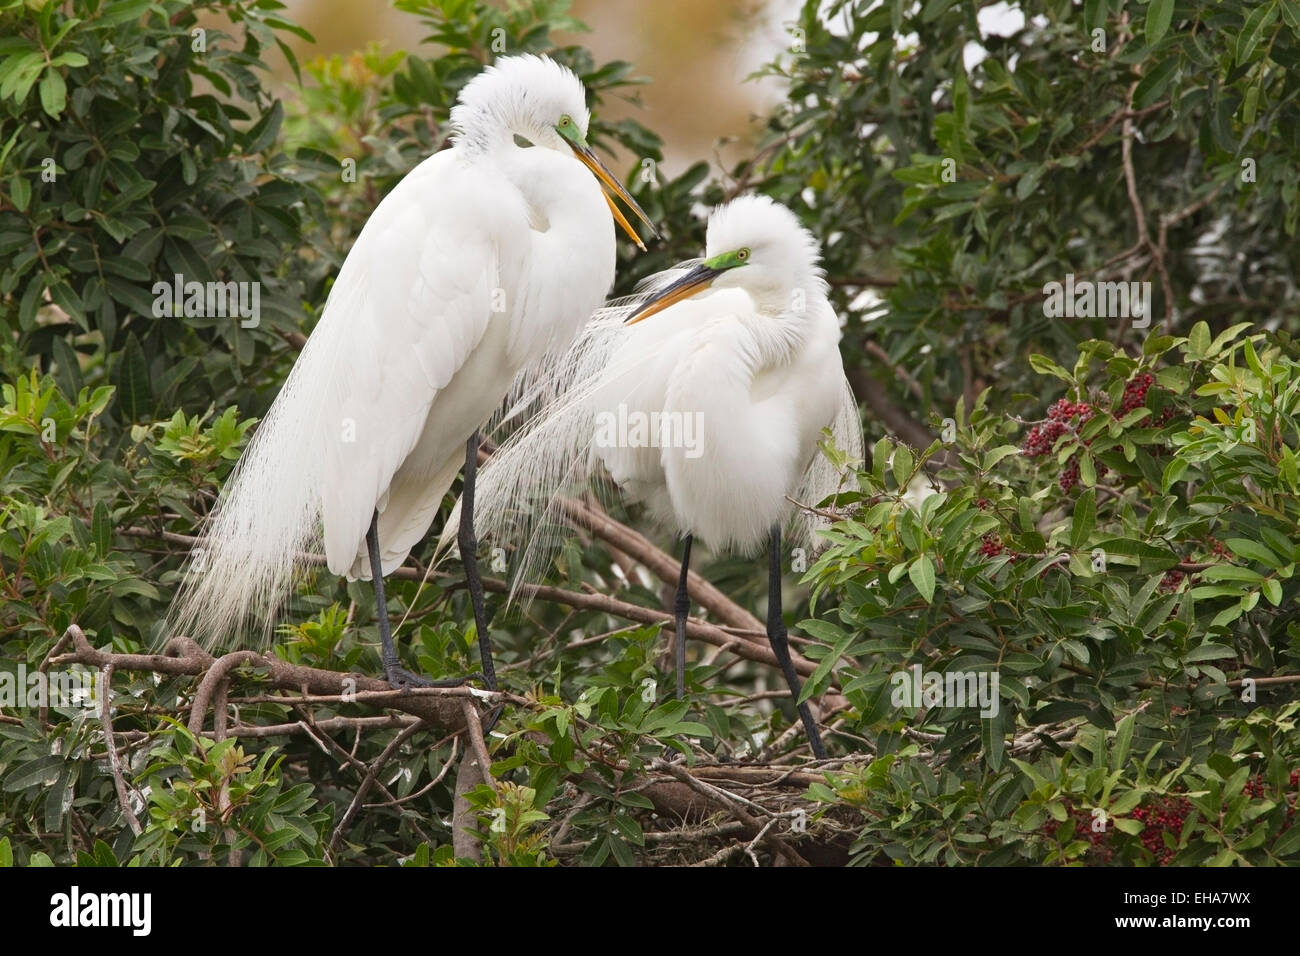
<point>782,322</point>
<point>572,249</point>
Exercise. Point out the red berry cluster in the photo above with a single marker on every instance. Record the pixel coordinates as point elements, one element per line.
<point>1170,582</point>
<point>1066,415</point>
<point>1069,474</point>
<point>983,504</point>
<point>1158,816</point>
<point>991,546</point>
<point>1066,410</point>
<point>1166,815</point>
<point>1043,436</point>
<point>1255,788</point>
<point>1135,393</point>
<point>1100,851</point>
<point>1219,549</point>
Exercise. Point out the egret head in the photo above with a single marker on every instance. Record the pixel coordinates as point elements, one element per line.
<point>752,243</point>
<point>536,99</point>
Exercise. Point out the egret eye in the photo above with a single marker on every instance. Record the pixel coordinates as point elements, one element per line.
<point>565,121</point>
<point>742,255</point>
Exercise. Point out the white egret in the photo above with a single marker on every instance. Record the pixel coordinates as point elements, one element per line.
<point>484,258</point>
<point>743,353</point>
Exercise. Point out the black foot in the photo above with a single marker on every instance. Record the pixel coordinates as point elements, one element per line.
<point>401,679</point>
<point>491,719</point>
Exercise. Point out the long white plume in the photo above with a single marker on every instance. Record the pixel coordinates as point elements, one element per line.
<point>824,478</point>
<point>268,519</point>
<point>517,493</point>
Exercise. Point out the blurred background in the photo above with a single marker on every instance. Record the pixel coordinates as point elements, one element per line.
<point>697,54</point>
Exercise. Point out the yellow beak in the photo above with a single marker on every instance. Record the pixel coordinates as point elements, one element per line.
<point>607,180</point>
<point>622,220</point>
<point>700,277</point>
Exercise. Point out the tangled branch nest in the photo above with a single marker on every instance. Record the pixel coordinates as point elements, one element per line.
<point>705,814</point>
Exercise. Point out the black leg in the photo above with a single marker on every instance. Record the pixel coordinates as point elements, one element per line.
<point>393,671</point>
<point>469,557</point>
<point>681,608</point>
<point>776,634</point>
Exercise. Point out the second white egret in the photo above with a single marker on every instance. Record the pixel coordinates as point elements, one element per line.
<point>725,394</point>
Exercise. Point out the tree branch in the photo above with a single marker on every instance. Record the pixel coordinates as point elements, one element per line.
<point>439,706</point>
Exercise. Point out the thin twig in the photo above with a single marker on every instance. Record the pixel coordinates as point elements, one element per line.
<point>115,761</point>
<point>368,781</point>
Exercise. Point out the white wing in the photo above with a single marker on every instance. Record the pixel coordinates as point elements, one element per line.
<point>412,304</point>
<point>418,307</point>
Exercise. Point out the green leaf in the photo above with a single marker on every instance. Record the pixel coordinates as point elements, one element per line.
<point>921,573</point>
<point>1231,572</point>
<point>1272,590</point>
<point>1224,338</point>
<point>54,93</point>
<point>1153,83</point>
<point>1260,19</point>
<point>994,739</point>
<point>1029,183</point>
<point>102,530</point>
<point>1291,14</point>
<point>1287,844</point>
<point>71,59</point>
<point>20,190</point>
<point>261,136</point>
<point>121,12</point>
<point>1250,105</point>
<point>18,73</point>
<point>42,770</point>
<point>1159,15</point>
<point>131,378</point>
<point>903,465</point>
<point>1254,551</point>
<point>1123,740</point>
<point>880,452</point>
<point>1138,549</point>
<point>1044,365</point>
<point>1094,14</point>
<point>1173,473</point>
<point>1198,341</point>
<point>1084,520</point>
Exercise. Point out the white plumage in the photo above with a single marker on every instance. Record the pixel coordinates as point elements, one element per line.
<point>755,355</point>
<point>743,345</point>
<point>483,258</point>
<point>762,377</point>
